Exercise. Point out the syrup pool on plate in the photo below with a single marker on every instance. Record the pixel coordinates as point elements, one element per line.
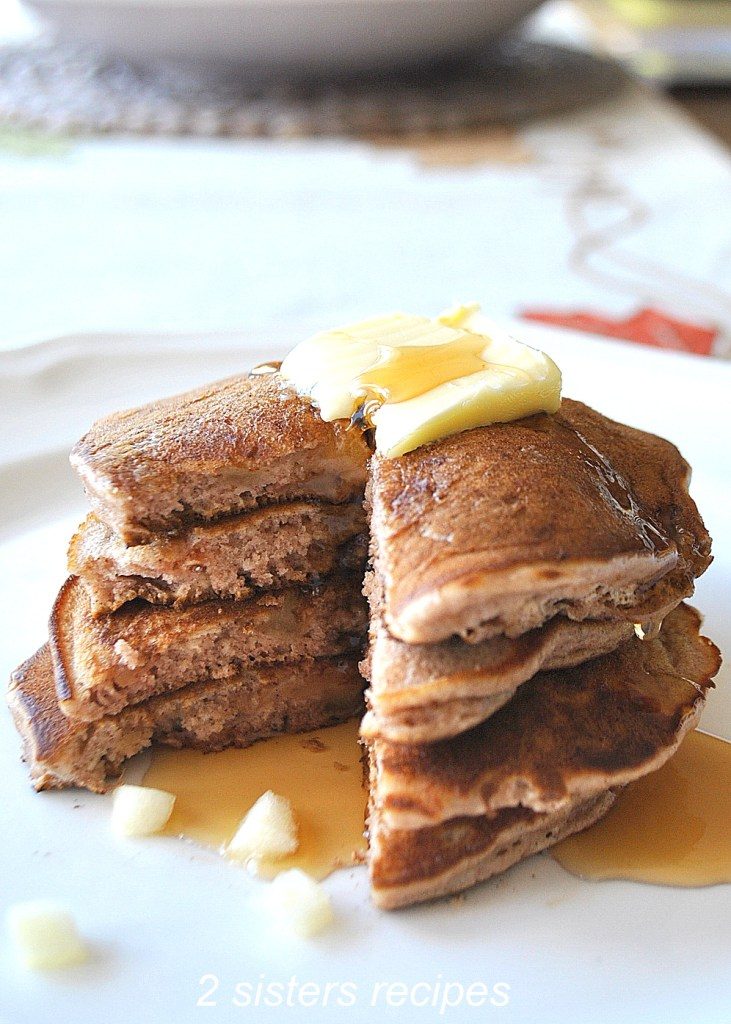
<point>672,827</point>
<point>319,772</point>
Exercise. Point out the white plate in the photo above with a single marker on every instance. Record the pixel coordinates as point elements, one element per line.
<point>307,35</point>
<point>162,914</point>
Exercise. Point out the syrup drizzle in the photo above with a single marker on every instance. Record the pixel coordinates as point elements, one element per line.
<point>399,374</point>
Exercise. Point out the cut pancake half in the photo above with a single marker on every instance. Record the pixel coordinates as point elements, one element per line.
<point>104,664</point>
<point>496,530</point>
<point>213,452</point>
<point>260,701</point>
<point>410,866</point>
<point>565,740</point>
<point>267,549</point>
<point>420,693</point>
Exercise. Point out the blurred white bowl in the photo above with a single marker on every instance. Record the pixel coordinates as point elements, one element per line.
<point>305,35</point>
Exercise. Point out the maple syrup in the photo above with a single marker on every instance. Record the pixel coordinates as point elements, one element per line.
<point>669,828</point>
<point>319,772</point>
<point>672,827</point>
<point>398,374</point>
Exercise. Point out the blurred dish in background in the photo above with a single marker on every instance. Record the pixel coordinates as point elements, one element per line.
<point>62,87</point>
<point>312,36</point>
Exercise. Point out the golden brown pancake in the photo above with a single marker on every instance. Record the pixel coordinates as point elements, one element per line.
<point>270,548</point>
<point>569,732</point>
<point>260,701</point>
<point>496,530</point>
<point>420,693</point>
<point>212,452</point>
<point>446,814</point>
<point>411,866</point>
<point>104,664</point>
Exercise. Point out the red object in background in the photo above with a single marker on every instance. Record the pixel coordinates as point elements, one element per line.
<point>646,327</point>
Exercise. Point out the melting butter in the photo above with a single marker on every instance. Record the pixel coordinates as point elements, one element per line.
<point>416,380</point>
<point>319,772</point>
<point>671,827</point>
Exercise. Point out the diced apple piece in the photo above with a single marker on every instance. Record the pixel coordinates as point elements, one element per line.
<point>300,904</point>
<point>45,936</point>
<point>140,811</point>
<point>268,832</point>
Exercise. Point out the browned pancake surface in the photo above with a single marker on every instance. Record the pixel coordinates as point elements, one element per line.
<point>446,815</point>
<point>420,693</point>
<point>410,866</point>
<point>214,451</point>
<point>496,529</point>
<point>566,734</point>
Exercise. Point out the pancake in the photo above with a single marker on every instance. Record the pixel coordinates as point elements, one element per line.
<point>213,452</point>
<point>420,693</point>
<point>446,814</point>
<point>260,701</point>
<point>496,530</point>
<point>104,664</point>
<point>267,549</point>
<point>566,733</point>
<point>413,866</point>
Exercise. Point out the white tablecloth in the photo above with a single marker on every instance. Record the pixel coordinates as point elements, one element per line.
<point>611,209</point>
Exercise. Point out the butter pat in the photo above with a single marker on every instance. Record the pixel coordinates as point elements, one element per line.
<point>416,380</point>
<point>300,904</point>
<point>268,832</point>
<point>140,811</point>
<point>45,936</point>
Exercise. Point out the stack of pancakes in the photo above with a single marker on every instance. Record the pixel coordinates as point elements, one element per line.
<point>528,651</point>
<point>216,588</point>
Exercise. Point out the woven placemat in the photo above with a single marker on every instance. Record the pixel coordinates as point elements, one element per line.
<point>62,88</point>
